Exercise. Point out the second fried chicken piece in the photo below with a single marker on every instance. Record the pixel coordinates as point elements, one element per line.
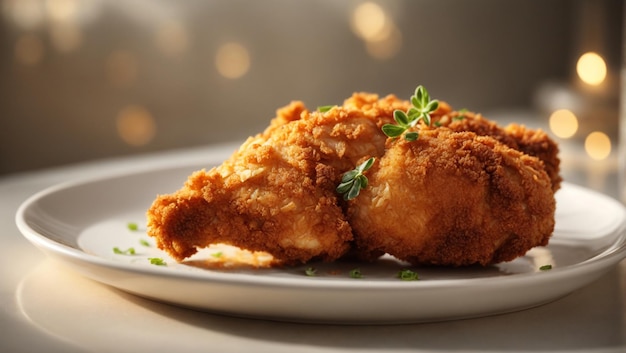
<point>453,198</point>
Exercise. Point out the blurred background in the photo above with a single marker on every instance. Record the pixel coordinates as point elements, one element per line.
<point>91,79</point>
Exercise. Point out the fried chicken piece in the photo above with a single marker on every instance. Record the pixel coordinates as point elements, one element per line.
<point>466,192</point>
<point>258,202</point>
<point>277,192</point>
<point>453,198</point>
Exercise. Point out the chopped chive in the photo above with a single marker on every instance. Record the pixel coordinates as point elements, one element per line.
<point>129,251</point>
<point>408,275</point>
<point>356,273</point>
<point>157,261</point>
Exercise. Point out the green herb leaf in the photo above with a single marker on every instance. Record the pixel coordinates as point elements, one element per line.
<point>325,108</point>
<point>461,115</point>
<point>421,109</point>
<point>353,181</point>
<point>157,261</point>
<point>129,251</point>
<point>310,271</point>
<point>408,275</point>
<point>356,273</point>
<point>545,268</point>
<point>344,187</point>
<point>217,254</point>
<point>393,130</point>
<point>132,226</point>
<point>365,165</point>
<point>355,189</point>
<point>348,176</point>
<point>144,242</point>
<point>411,136</point>
<point>401,118</point>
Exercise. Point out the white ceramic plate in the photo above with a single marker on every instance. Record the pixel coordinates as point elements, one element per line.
<point>81,223</point>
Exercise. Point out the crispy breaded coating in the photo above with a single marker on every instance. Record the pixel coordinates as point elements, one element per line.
<point>262,204</point>
<point>453,198</point>
<point>277,192</point>
<point>532,142</point>
<point>466,192</point>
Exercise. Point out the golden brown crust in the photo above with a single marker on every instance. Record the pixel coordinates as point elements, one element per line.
<point>466,192</point>
<point>453,198</point>
<point>277,192</point>
<point>532,142</point>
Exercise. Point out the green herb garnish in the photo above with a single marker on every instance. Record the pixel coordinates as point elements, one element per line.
<point>408,275</point>
<point>144,242</point>
<point>129,251</point>
<point>310,271</point>
<point>421,109</point>
<point>133,226</point>
<point>354,181</point>
<point>325,108</point>
<point>545,268</point>
<point>461,114</point>
<point>217,254</point>
<point>356,273</point>
<point>157,261</point>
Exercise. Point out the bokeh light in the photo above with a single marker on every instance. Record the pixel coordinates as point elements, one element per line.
<point>368,21</point>
<point>172,38</point>
<point>591,68</point>
<point>598,145</point>
<point>121,68</point>
<point>387,46</point>
<point>135,125</point>
<point>382,38</point>
<point>66,37</point>
<point>232,60</point>
<point>62,10</point>
<point>29,50</point>
<point>563,123</point>
<point>26,14</point>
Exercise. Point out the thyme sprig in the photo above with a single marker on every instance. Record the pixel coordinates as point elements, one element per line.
<point>353,181</point>
<point>421,109</point>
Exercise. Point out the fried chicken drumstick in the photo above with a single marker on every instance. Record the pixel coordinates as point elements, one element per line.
<point>467,191</point>
<point>277,192</point>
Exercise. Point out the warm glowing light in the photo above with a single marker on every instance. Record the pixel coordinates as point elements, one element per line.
<point>383,39</point>
<point>386,47</point>
<point>368,21</point>
<point>121,67</point>
<point>135,125</point>
<point>66,36</point>
<point>232,60</point>
<point>591,68</point>
<point>62,10</point>
<point>172,38</point>
<point>598,145</point>
<point>29,50</point>
<point>26,14</point>
<point>563,123</point>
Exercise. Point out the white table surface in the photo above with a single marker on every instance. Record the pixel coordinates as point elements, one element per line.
<point>47,308</point>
